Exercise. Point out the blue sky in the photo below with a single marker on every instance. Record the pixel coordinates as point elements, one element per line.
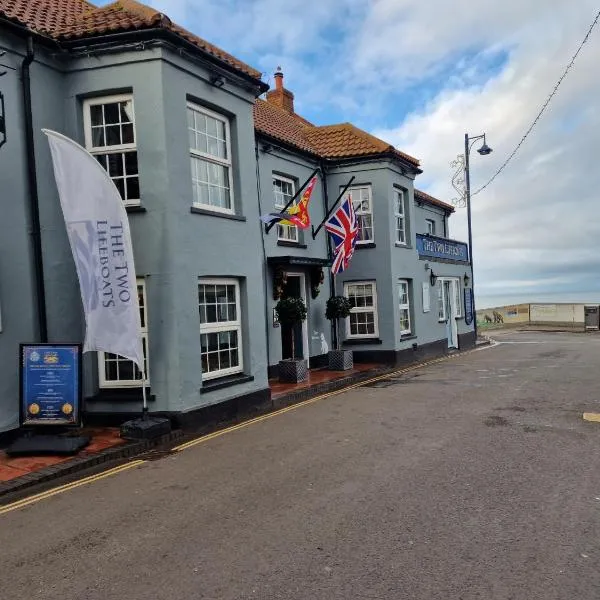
<point>420,75</point>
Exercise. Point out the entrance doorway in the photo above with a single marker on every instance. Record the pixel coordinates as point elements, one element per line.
<point>295,288</point>
<point>592,317</point>
<point>449,294</point>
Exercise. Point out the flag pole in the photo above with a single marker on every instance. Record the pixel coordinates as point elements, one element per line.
<point>270,226</point>
<point>316,231</point>
<point>144,398</point>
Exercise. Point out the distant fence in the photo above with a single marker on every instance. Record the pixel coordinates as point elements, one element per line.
<point>571,316</point>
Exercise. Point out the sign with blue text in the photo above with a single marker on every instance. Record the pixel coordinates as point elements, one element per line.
<point>50,384</point>
<point>430,246</point>
<point>468,306</point>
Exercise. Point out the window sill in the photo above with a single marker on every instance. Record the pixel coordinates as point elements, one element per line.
<point>408,336</point>
<point>400,245</point>
<point>360,246</point>
<point>224,382</point>
<point>135,208</point>
<point>289,244</point>
<point>212,213</point>
<point>360,341</point>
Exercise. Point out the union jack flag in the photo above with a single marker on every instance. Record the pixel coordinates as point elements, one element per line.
<point>343,227</point>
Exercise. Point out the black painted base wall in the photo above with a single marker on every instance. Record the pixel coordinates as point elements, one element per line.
<point>195,419</point>
<point>414,354</point>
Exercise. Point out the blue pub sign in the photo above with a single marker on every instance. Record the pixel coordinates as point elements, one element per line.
<point>50,384</point>
<point>429,246</point>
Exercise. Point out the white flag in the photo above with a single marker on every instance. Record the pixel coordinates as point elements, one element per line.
<point>98,232</point>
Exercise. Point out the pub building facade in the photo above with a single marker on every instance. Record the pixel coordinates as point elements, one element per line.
<point>198,154</point>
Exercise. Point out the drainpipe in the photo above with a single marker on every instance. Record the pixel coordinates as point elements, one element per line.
<point>265,266</point>
<point>334,340</point>
<point>36,236</point>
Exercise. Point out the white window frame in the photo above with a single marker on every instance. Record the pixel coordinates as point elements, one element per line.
<point>363,309</point>
<point>456,300</point>
<point>458,297</point>
<point>400,200</point>
<point>404,306</point>
<point>430,223</point>
<point>291,229</point>
<point>129,383</point>
<point>227,163</point>
<point>441,305</point>
<point>116,149</point>
<point>426,296</point>
<point>351,190</point>
<point>236,325</point>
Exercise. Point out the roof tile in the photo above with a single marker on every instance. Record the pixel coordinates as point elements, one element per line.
<point>330,141</point>
<point>420,195</point>
<point>79,19</point>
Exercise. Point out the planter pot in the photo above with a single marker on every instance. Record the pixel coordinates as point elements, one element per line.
<point>293,371</point>
<point>340,360</point>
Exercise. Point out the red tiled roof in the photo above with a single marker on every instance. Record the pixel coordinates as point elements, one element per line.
<point>79,19</point>
<point>331,141</point>
<point>281,125</point>
<point>419,195</point>
<point>46,17</point>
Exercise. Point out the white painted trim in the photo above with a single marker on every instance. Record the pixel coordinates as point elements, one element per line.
<point>371,211</point>
<point>117,149</point>
<point>406,307</point>
<point>226,326</point>
<point>363,309</point>
<point>303,295</point>
<point>224,162</point>
<point>397,192</point>
<point>280,207</point>
<point>128,383</point>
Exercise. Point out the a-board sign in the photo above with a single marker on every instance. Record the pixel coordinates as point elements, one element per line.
<point>50,384</point>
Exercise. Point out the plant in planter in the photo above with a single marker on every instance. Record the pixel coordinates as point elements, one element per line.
<point>290,312</point>
<point>338,307</point>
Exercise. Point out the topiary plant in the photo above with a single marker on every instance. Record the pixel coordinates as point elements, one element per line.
<point>338,307</point>
<point>291,311</point>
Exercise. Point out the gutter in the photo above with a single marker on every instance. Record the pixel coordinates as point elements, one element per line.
<point>102,42</point>
<point>36,234</point>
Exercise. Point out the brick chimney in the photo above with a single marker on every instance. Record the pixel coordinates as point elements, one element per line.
<point>280,96</point>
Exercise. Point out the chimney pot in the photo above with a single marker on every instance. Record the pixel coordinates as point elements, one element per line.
<point>278,79</point>
<point>280,96</point>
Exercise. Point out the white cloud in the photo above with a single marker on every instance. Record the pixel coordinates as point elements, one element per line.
<point>540,213</point>
<point>536,225</point>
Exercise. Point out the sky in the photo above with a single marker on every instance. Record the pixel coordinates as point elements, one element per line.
<point>422,74</point>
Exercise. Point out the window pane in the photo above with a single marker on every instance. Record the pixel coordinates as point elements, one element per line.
<point>131,163</point>
<point>113,135</point>
<point>111,113</point>
<point>98,137</point>
<point>115,165</point>
<point>121,187</point>
<point>96,117</point>
<point>133,188</point>
<point>126,109</point>
<point>127,133</point>
<point>211,126</point>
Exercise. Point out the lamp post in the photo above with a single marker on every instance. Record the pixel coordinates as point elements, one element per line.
<point>484,151</point>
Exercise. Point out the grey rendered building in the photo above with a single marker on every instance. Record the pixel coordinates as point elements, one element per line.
<point>197,158</point>
<point>171,118</point>
<point>406,280</point>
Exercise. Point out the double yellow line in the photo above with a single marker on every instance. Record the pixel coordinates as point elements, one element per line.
<point>68,486</point>
<point>135,463</point>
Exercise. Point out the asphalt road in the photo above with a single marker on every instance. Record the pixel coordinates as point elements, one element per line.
<point>471,478</point>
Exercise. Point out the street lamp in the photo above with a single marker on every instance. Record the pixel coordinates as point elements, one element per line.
<point>484,151</point>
